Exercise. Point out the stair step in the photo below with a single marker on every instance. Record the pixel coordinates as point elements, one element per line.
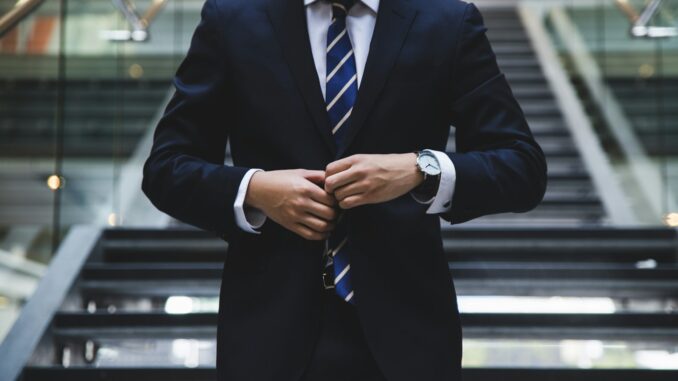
<point>82,373</point>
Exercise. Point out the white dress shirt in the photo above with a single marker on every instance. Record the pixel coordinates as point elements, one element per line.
<point>360,22</point>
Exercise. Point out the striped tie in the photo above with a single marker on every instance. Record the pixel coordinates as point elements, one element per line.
<point>340,93</point>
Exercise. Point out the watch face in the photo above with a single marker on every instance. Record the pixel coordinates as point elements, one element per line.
<point>429,164</point>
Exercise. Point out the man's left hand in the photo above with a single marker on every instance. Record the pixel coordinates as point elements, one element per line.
<point>372,178</point>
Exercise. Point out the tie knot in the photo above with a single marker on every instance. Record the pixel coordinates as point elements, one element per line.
<point>340,7</point>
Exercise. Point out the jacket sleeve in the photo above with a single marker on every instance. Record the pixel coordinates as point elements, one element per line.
<point>185,175</point>
<point>499,165</point>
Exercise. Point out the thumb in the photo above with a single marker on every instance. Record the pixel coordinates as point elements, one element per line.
<point>317,177</point>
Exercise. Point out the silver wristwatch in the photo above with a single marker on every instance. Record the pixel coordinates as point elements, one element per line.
<point>428,164</point>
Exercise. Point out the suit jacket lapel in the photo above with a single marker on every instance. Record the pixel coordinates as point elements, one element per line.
<point>289,21</point>
<point>394,19</point>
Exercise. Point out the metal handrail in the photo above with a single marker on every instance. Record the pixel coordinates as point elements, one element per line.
<point>628,9</point>
<point>21,9</point>
<point>127,9</point>
<point>640,21</point>
<point>139,24</point>
<point>152,11</point>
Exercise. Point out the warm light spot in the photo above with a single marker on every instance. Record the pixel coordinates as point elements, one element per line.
<point>112,219</point>
<point>136,71</point>
<point>4,301</point>
<point>671,219</point>
<point>646,71</point>
<point>55,182</point>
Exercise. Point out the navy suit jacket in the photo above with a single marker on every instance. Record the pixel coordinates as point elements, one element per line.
<point>249,78</point>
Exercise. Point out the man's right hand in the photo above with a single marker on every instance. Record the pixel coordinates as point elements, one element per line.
<point>295,199</point>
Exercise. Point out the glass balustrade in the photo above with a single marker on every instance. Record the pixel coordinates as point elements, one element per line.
<point>79,93</point>
<point>622,58</point>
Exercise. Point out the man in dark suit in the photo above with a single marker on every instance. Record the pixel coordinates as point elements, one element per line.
<point>338,117</point>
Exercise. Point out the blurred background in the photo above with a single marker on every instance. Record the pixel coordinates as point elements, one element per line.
<point>95,283</point>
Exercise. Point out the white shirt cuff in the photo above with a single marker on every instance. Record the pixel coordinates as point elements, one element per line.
<point>246,217</point>
<point>442,201</point>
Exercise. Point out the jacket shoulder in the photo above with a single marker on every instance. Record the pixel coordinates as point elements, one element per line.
<point>234,6</point>
<point>448,12</point>
<point>226,13</point>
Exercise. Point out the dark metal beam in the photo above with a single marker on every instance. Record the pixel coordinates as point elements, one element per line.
<point>22,339</point>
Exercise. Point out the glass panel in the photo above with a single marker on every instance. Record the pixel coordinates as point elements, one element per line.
<point>29,181</point>
<point>116,86</point>
<point>630,90</point>
<point>79,92</point>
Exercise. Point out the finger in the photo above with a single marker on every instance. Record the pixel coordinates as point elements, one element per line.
<point>352,201</point>
<point>340,165</point>
<point>350,189</point>
<point>318,194</point>
<point>305,232</point>
<point>333,182</point>
<point>316,177</point>
<point>316,224</point>
<point>322,211</point>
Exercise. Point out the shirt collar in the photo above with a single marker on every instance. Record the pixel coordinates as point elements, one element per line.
<point>372,4</point>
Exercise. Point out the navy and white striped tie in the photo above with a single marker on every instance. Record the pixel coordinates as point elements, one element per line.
<point>340,94</point>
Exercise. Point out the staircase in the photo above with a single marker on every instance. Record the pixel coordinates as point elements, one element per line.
<point>142,304</point>
<point>102,118</point>
<point>571,198</point>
